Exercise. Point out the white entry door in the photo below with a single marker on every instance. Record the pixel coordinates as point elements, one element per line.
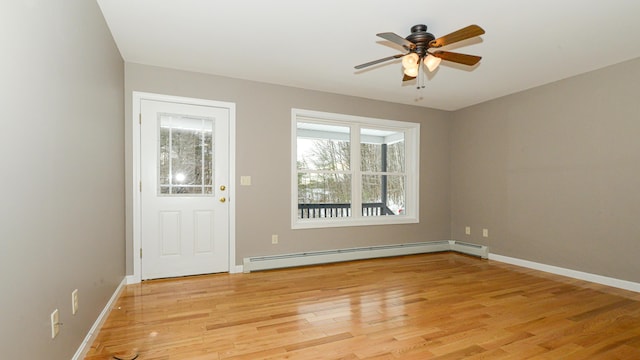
<point>184,168</point>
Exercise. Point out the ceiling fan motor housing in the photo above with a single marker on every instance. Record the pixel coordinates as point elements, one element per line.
<point>421,38</point>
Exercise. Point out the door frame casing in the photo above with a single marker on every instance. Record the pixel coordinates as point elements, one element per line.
<point>137,97</point>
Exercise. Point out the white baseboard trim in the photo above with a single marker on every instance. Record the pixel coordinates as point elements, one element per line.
<point>93,332</point>
<point>371,252</point>
<point>238,269</point>
<point>338,255</point>
<point>598,279</point>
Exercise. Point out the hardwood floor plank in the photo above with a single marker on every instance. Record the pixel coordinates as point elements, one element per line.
<point>319,341</point>
<point>462,353</point>
<point>431,306</point>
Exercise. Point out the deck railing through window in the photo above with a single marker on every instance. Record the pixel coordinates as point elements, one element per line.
<point>311,211</point>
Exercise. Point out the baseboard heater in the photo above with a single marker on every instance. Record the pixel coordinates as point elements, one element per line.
<point>330,256</point>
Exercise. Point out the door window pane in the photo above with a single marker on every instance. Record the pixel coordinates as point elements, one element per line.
<point>185,155</point>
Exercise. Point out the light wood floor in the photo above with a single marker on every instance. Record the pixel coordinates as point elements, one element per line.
<point>432,306</point>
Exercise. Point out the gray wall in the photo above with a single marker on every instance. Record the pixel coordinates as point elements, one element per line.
<point>62,208</point>
<point>553,173</point>
<point>263,152</point>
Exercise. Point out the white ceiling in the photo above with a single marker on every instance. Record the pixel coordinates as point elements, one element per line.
<point>316,44</point>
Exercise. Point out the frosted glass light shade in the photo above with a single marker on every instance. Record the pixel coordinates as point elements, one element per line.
<point>412,71</point>
<point>410,60</point>
<point>431,62</point>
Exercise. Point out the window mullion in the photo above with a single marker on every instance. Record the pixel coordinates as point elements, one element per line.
<point>356,175</point>
<point>170,155</point>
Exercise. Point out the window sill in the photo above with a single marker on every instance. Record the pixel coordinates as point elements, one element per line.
<point>349,222</point>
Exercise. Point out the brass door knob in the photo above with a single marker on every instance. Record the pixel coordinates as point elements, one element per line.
<point>223,188</point>
<point>223,199</point>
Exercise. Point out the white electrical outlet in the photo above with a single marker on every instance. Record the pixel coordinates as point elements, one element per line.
<point>467,230</point>
<point>274,239</point>
<point>485,232</point>
<point>55,323</point>
<point>245,180</point>
<point>74,301</point>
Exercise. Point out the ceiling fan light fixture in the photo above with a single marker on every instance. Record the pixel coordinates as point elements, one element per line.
<point>417,45</point>
<point>410,60</point>
<point>432,62</point>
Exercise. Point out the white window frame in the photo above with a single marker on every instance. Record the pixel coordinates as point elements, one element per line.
<point>412,165</point>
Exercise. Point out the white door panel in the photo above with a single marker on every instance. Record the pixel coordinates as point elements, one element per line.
<point>184,172</point>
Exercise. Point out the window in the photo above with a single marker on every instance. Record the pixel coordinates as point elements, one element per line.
<point>185,160</point>
<point>349,170</point>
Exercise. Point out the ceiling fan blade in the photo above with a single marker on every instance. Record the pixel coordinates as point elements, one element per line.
<point>361,66</point>
<point>406,77</point>
<point>457,58</point>
<point>395,38</point>
<point>462,34</point>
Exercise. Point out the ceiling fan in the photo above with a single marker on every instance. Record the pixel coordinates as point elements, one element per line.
<point>419,44</point>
